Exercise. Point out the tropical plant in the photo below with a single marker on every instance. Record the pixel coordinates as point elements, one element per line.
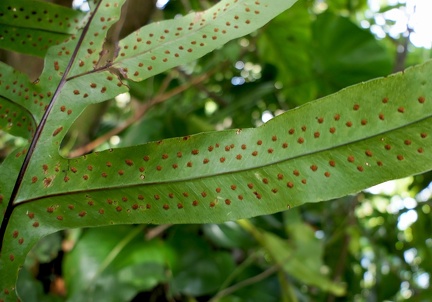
<point>340,144</point>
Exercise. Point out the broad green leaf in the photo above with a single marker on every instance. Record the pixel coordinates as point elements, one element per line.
<point>31,27</point>
<point>170,43</point>
<point>77,73</point>
<point>322,150</point>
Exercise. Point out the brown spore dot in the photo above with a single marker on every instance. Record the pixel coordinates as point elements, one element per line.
<point>304,181</point>
<point>314,167</point>
<point>400,157</point>
<point>11,257</point>
<point>270,150</point>
<point>189,164</point>
<point>240,197</point>
<point>195,152</point>
<point>238,156</point>
<point>300,140</point>
<point>360,168</point>
<point>179,154</point>
<point>212,204</point>
<point>45,167</point>
<point>124,198</point>
<point>104,174</point>
<point>280,176</point>
<point>31,215</point>
<point>222,159</point>
<point>120,172</point>
<point>156,196</point>
<point>327,174</point>
<point>423,135</point>
<point>303,128</point>
<point>135,206</point>
<point>387,147</point>
<point>108,164</point>
<point>401,109</point>
<point>332,130</point>
<point>63,108</point>
<point>356,107</point>
<point>257,195</point>
<point>148,206</point>
<point>129,162</point>
<point>206,161</point>
<point>421,99</point>
<point>320,120</point>
<point>350,159</point>
<point>255,153</point>
<point>368,153</point>
<point>291,131</point>
<point>195,203</point>
<point>179,206</point>
<point>203,194</point>
<point>381,116</point>
<point>274,138</point>
<point>233,187</point>
<point>259,142</point>
<point>140,197</point>
<point>185,194</point>
<point>385,100</point>
<point>34,179</point>
<point>71,207</point>
<point>57,131</point>
<point>59,217</point>
<point>101,211</point>
<point>336,117</point>
<point>21,241</point>
<point>296,172</point>
<point>285,145</point>
<point>50,209</point>
<point>175,166</point>
<point>227,148</point>
<point>109,201</point>
<point>76,92</point>
<point>317,134</point>
<point>146,158</point>
<point>364,122</point>
<point>15,234</point>
<point>243,147</point>
<point>69,112</point>
<point>82,213</point>
<point>218,190</point>
<point>210,148</point>
<point>90,168</point>
<point>250,185</point>
<point>348,124</point>
<point>407,142</point>
<point>420,150</point>
<point>35,224</point>
<point>119,208</point>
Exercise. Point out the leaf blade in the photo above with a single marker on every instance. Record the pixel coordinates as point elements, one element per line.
<point>145,52</point>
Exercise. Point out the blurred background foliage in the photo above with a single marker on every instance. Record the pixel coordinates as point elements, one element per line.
<point>372,246</point>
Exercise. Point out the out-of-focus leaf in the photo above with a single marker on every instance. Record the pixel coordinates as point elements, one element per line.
<point>114,264</point>
<point>346,54</point>
<point>298,257</point>
<point>228,235</point>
